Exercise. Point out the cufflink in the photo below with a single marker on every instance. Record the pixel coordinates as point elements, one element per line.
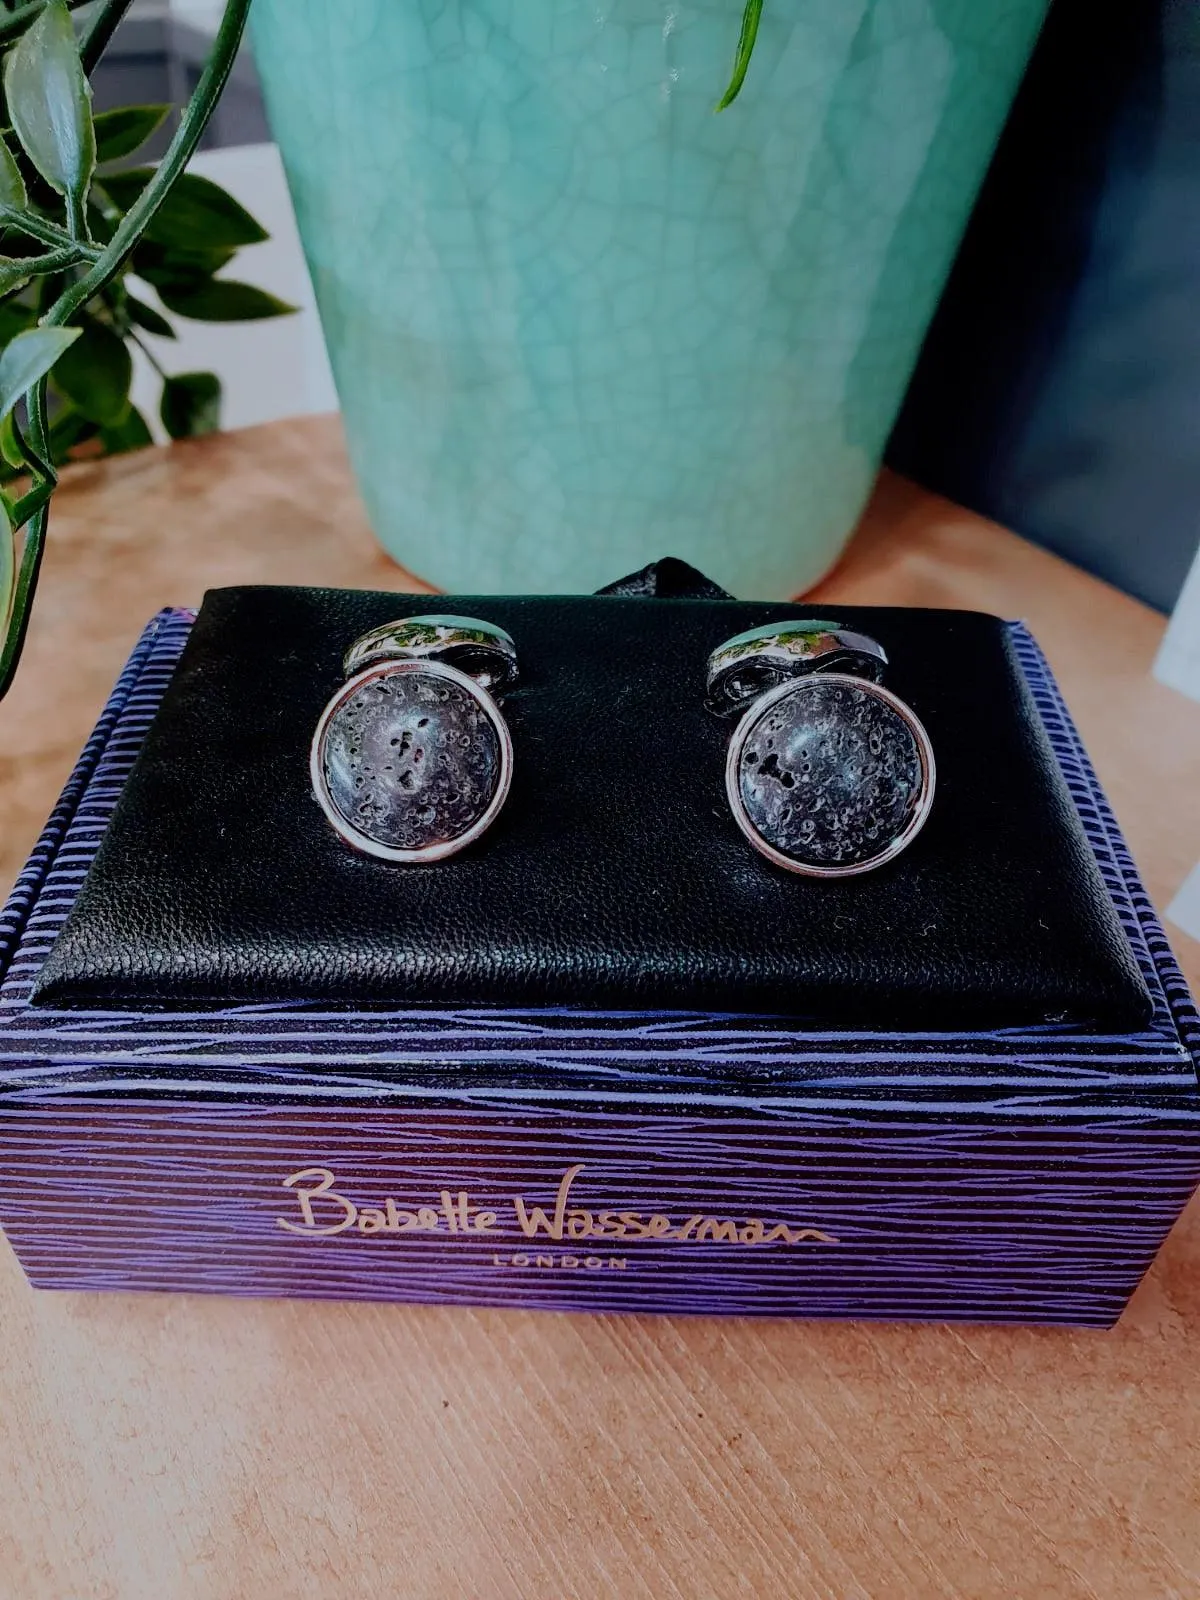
<point>828,773</point>
<point>412,759</point>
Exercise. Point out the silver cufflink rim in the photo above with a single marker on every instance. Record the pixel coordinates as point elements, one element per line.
<point>477,657</point>
<point>751,673</point>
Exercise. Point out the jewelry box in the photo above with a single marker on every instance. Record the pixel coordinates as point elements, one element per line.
<point>930,1153</point>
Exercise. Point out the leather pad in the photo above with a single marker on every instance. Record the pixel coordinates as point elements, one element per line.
<point>615,877</point>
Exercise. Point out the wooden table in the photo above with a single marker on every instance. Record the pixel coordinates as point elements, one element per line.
<point>165,1447</point>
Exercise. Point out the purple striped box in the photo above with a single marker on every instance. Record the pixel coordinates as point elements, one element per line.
<point>600,1161</point>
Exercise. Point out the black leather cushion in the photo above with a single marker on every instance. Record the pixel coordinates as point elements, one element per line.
<point>615,877</point>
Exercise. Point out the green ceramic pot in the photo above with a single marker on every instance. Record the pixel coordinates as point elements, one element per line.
<point>577,320</point>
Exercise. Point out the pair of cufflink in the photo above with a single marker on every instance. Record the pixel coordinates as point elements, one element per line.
<point>827,774</point>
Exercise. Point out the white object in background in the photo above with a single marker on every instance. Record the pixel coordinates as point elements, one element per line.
<point>271,369</point>
<point>204,14</point>
<point>1178,666</point>
<point>1178,663</point>
<point>1184,910</point>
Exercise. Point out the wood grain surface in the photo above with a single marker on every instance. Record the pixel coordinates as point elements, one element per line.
<point>164,1447</point>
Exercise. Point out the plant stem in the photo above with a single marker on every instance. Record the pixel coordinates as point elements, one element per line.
<point>34,499</point>
<point>39,423</point>
<point>180,151</point>
<point>751,17</point>
<point>46,232</point>
<point>31,553</point>
<point>18,617</point>
<point>36,541</point>
<point>38,469</point>
<point>19,268</point>
<point>147,352</point>
<point>99,31</point>
<point>77,225</point>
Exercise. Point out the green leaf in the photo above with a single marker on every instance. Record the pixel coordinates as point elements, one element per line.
<point>159,263</point>
<point>15,317</point>
<point>191,404</point>
<point>123,188</point>
<point>146,318</point>
<point>8,563</point>
<point>222,300</point>
<point>196,215</point>
<point>12,184</point>
<point>119,133</point>
<point>50,103</point>
<point>95,374</point>
<point>10,449</point>
<point>745,49</point>
<point>29,357</point>
<point>131,433</point>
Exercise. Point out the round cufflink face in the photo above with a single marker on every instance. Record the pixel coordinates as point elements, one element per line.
<point>830,775</point>
<point>411,760</point>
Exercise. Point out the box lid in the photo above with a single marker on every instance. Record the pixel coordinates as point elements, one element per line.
<point>585,1063</point>
<point>615,876</point>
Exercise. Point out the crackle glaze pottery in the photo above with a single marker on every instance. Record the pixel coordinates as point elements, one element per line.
<point>576,319</point>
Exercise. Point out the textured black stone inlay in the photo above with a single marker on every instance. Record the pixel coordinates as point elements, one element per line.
<point>412,760</point>
<point>830,774</point>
